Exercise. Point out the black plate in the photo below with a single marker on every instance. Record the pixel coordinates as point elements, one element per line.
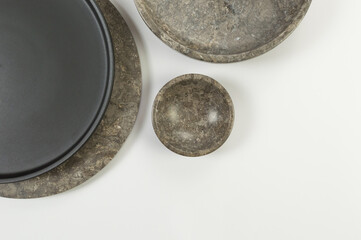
<point>56,75</point>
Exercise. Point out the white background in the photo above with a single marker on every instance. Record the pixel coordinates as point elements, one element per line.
<point>291,169</point>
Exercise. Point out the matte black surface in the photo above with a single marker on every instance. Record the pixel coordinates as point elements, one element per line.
<point>56,73</point>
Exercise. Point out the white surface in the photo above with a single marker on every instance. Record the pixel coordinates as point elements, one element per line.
<point>290,170</point>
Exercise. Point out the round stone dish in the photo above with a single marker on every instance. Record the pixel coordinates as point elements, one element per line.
<point>193,115</point>
<point>110,134</point>
<point>222,31</point>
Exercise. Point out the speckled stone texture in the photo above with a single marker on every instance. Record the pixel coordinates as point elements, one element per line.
<point>193,115</point>
<point>222,31</point>
<point>112,132</point>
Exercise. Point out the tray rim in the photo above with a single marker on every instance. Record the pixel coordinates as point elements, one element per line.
<point>99,115</point>
<point>221,58</point>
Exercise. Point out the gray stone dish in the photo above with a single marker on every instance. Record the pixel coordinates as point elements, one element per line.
<point>193,115</point>
<point>222,31</point>
<point>112,131</point>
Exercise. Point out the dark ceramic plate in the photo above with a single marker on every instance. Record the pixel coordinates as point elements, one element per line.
<point>224,30</point>
<point>56,75</point>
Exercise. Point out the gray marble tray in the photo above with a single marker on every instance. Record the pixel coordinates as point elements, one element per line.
<point>222,31</point>
<point>112,132</point>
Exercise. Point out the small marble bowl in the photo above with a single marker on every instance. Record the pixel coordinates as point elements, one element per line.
<point>193,115</point>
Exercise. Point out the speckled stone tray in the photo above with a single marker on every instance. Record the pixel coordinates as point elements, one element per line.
<point>222,31</point>
<point>112,132</point>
